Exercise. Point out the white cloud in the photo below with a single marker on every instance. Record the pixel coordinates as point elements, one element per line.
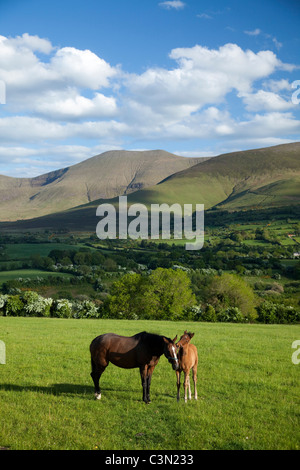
<point>265,101</point>
<point>204,16</point>
<point>70,105</point>
<point>277,43</point>
<point>33,43</point>
<point>277,85</point>
<point>38,130</point>
<point>65,102</point>
<point>54,86</point>
<point>202,77</point>
<point>255,32</point>
<point>29,162</point>
<point>176,4</point>
<point>82,68</point>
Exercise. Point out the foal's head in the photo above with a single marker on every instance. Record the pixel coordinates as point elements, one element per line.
<point>185,339</point>
<point>170,351</point>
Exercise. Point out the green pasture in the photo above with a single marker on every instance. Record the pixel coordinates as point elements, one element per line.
<point>22,251</point>
<point>248,389</point>
<point>29,274</point>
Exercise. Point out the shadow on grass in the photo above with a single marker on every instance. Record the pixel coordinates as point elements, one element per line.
<point>54,389</point>
<point>69,389</point>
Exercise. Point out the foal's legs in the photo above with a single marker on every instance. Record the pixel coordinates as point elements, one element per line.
<point>178,385</point>
<point>186,383</point>
<point>195,381</point>
<point>189,385</point>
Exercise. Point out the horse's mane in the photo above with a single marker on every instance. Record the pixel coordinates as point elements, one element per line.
<point>152,336</point>
<point>152,339</point>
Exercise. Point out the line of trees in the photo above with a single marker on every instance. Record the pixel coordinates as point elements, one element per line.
<point>164,294</point>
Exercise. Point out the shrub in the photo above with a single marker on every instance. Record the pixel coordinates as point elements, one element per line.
<point>61,308</point>
<point>230,290</point>
<point>193,313</point>
<point>14,306</point>
<point>85,309</point>
<point>3,300</point>
<point>269,312</point>
<point>209,314</point>
<point>231,314</point>
<point>36,305</point>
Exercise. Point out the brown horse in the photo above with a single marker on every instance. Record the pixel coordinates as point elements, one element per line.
<point>142,350</point>
<point>188,359</point>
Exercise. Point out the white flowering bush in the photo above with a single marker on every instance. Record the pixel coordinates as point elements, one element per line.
<point>36,305</point>
<point>3,300</point>
<point>61,308</point>
<point>85,309</point>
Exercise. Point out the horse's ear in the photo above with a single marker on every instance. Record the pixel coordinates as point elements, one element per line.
<point>174,339</point>
<point>185,332</point>
<point>191,335</point>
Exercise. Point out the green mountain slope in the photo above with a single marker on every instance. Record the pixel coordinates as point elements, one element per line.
<point>104,176</point>
<point>262,177</point>
<point>251,179</point>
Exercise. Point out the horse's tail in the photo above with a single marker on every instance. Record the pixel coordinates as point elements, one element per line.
<point>92,351</point>
<point>93,364</point>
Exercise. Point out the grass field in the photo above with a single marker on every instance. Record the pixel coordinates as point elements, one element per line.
<point>248,389</point>
<point>29,274</point>
<point>23,251</point>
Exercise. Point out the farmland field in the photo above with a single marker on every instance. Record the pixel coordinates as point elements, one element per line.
<point>248,389</point>
<point>28,273</point>
<point>20,251</point>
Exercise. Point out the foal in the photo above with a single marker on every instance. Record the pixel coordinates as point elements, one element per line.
<point>188,359</point>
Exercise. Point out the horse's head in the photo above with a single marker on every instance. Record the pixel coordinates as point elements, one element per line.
<point>185,339</point>
<point>170,352</point>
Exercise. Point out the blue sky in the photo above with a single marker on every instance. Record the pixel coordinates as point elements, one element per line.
<point>196,78</point>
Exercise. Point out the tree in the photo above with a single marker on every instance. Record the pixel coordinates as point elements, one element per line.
<point>230,290</point>
<point>168,294</point>
<point>79,258</point>
<point>125,297</point>
<point>164,294</point>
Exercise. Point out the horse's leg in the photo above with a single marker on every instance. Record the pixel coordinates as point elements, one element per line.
<point>195,381</point>
<point>148,382</point>
<point>96,373</point>
<point>143,372</point>
<point>178,384</point>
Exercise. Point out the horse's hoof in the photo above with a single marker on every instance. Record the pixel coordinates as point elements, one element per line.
<point>97,396</point>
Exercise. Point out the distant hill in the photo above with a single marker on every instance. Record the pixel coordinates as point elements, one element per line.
<point>104,176</point>
<point>249,179</point>
<point>252,179</point>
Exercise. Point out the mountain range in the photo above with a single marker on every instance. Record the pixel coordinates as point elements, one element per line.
<point>104,176</point>
<point>67,198</point>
